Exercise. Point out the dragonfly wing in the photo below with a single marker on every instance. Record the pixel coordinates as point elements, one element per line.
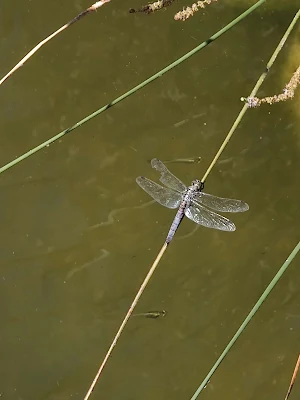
<point>220,203</point>
<point>162,195</point>
<point>210,219</point>
<point>166,177</point>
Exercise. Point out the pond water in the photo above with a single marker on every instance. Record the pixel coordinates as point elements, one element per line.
<point>78,235</point>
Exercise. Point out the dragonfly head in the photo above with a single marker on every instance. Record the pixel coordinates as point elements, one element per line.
<point>198,184</point>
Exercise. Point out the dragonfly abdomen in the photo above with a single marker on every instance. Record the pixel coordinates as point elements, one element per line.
<point>176,222</point>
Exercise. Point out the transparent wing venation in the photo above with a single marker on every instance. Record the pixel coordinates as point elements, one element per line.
<point>166,177</point>
<point>220,203</point>
<point>164,196</point>
<point>209,219</point>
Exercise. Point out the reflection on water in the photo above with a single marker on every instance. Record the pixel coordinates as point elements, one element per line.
<point>73,271</point>
<point>111,216</point>
<point>64,286</point>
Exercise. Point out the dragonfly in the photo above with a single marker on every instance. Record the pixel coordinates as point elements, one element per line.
<point>191,201</point>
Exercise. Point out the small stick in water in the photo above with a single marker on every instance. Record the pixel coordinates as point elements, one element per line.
<point>151,314</point>
<point>184,160</point>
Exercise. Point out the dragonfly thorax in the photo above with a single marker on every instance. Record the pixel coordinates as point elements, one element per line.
<point>191,191</point>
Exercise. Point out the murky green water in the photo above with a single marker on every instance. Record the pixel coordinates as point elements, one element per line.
<point>74,244</point>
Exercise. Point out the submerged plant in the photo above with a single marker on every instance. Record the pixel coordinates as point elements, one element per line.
<point>287,93</point>
<point>190,11</point>
<point>152,7</point>
<point>180,16</point>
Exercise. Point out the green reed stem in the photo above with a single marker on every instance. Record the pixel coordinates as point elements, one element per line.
<point>135,89</point>
<point>253,93</point>
<point>248,318</point>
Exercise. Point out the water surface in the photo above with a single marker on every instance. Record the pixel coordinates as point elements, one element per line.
<point>75,243</point>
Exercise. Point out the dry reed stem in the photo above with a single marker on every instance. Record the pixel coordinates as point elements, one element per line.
<point>92,8</point>
<point>126,318</point>
<point>287,93</point>
<point>293,378</point>
<point>189,11</point>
